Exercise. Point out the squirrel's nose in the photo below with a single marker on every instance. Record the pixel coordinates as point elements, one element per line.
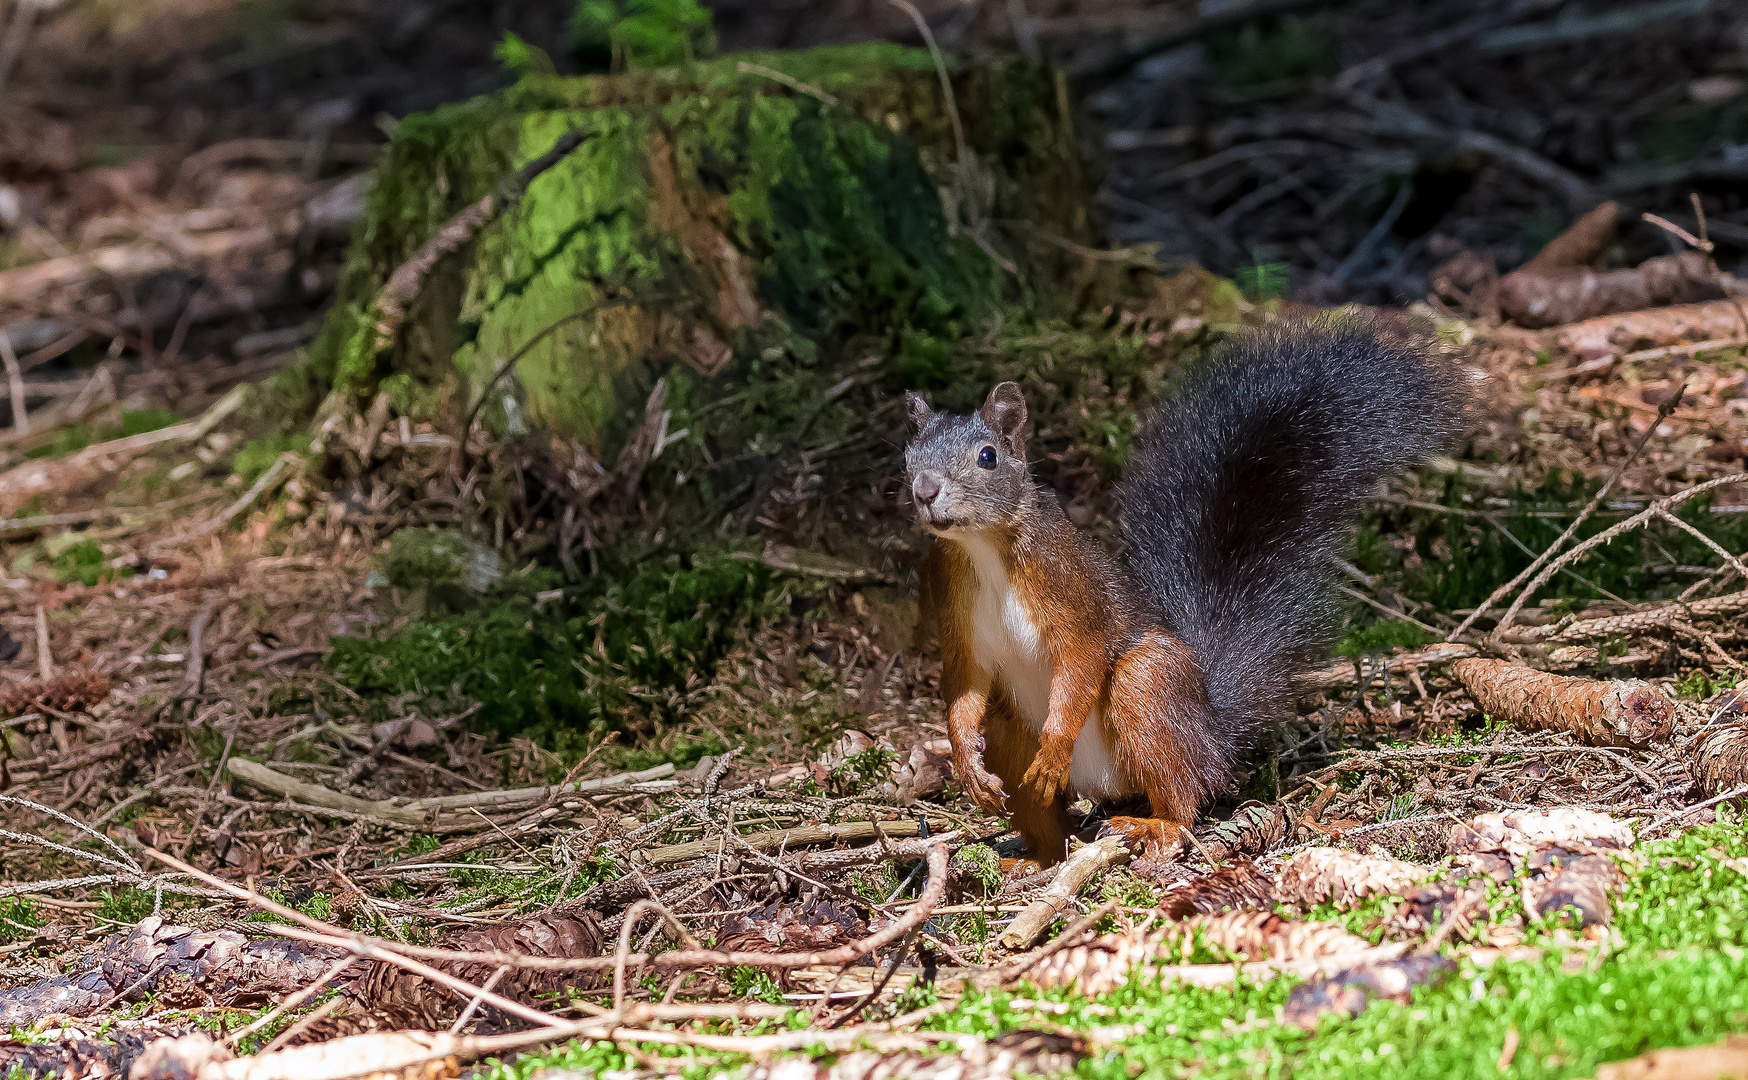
<point>925,487</point>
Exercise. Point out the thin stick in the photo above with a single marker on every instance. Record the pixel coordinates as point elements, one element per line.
<point>467,1013</point>
<point>293,1001</point>
<point>14,382</point>
<point>197,650</point>
<point>322,1012</point>
<point>45,663</point>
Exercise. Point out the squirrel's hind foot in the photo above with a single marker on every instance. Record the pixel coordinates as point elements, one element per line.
<point>1156,838</point>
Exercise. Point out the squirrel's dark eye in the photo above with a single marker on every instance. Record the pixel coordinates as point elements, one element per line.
<point>986,457</point>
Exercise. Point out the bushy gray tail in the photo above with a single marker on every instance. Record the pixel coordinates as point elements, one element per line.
<point>1247,482</point>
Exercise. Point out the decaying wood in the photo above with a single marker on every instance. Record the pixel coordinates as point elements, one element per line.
<point>1324,875</point>
<point>1727,1060</point>
<point>1612,712</point>
<point>1555,297</point>
<point>1614,334</point>
<point>1078,869</point>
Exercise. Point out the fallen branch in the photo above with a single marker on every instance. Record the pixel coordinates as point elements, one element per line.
<point>1722,1059</point>
<point>18,485</point>
<point>799,836</point>
<point>1606,712</point>
<point>520,796</point>
<point>278,783</point>
<point>1557,297</point>
<point>1347,673</point>
<point>1080,868</point>
<point>1718,320</point>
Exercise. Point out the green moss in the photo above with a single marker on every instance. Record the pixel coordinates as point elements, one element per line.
<point>83,561</point>
<point>1382,637</point>
<point>257,456</point>
<point>641,33</point>
<point>19,918</point>
<point>612,655</point>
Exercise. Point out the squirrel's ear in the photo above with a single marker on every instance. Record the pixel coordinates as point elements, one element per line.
<point>917,411</point>
<point>1005,413</point>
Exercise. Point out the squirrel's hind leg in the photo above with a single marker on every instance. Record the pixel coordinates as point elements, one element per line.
<point>1160,743</point>
<point>1011,747</point>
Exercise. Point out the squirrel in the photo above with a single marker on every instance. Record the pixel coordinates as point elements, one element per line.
<point>1067,672</point>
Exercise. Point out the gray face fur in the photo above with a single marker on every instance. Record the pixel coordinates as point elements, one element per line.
<point>967,473</point>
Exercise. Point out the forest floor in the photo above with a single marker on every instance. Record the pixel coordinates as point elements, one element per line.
<point>210,661</point>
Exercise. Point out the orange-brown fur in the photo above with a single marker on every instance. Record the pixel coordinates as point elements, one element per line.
<point>1103,654</point>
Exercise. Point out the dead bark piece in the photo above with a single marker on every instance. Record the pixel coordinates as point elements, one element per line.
<point>1017,1053</point>
<point>1582,244</point>
<point>394,997</point>
<point>1727,1060</point>
<point>1239,887</point>
<point>1676,325</point>
<point>1555,297</point>
<point>224,967</point>
<point>70,691</point>
<point>1613,712</point>
<point>1720,757</point>
<point>1352,991</point>
<point>1251,830</point>
<point>1080,867</point>
<point>1107,962</point>
<point>1323,875</point>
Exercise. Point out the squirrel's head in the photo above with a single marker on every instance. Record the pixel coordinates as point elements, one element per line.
<point>967,473</point>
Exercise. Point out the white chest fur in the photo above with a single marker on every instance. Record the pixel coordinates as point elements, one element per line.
<point>1006,640</point>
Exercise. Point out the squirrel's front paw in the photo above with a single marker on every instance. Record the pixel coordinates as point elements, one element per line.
<point>983,786</point>
<point>1048,773</point>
